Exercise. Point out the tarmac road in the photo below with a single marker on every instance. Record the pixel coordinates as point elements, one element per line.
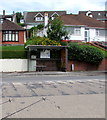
<point>53,95</point>
<point>51,76</point>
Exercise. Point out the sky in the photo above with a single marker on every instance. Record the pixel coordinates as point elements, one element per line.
<point>71,6</point>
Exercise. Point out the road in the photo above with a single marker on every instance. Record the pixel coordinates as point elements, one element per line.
<point>30,85</point>
<point>74,95</point>
<point>35,78</point>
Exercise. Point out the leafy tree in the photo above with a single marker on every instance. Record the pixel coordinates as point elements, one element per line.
<point>19,16</point>
<point>40,26</point>
<point>35,29</point>
<point>56,30</point>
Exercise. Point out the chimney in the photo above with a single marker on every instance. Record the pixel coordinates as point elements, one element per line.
<point>13,12</point>
<point>3,12</point>
<point>46,18</point>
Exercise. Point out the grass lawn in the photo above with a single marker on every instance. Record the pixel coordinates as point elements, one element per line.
<point>13,52</point>
<point>12,48</point>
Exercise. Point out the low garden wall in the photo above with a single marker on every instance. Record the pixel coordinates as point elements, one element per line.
<point>21,65</point>
<point>13,65</point>
<point>83,66</point>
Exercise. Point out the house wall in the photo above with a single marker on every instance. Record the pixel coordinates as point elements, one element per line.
<point>83,66</point>
<point>21,39</point>
<point>78,37</point>
<point>92,35</point>
<point>12,65</point>
<point>0,37</point>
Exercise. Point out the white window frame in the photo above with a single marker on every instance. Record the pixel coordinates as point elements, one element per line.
<point>77,31</point>
<point>10,36</point>
<point>52,16</point>
<point>39,18</point>
<point>99,34</point>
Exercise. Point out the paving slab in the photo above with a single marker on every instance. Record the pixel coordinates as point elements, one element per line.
<point>69,106</point>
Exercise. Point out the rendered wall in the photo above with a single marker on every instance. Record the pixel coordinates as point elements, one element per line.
<point>13,65</point>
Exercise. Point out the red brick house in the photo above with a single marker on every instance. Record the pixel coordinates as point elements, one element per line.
<point>11,33</point>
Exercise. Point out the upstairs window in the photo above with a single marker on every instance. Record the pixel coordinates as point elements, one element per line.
<point>39,18</point>
<point>54,15</point>
<point>99,14</point>
<point>11,36</point>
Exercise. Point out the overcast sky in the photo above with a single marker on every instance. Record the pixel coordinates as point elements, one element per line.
<point>71,6</point>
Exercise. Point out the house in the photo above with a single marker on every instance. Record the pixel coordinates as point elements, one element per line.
<point>80,27</point>
<point>11,17</point>
<point>99,15</point>
<point>84,28</point>
<point>11,33</point>
<point>40,17</point>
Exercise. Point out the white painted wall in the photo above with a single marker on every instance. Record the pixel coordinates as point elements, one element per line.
<point>78,37</point>
<point>92,35</point>
<point>13,65</point>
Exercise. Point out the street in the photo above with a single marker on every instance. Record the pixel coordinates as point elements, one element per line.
<point>51,76</point>
<point>67,95</point>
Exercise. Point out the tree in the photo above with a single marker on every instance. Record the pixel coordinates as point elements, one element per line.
<point>56,30</point>
<point>19,16</point>
<point>34,30</point>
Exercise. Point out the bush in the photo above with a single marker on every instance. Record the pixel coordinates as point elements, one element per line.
<point>85,53</point>
<point>13,52</point>
<point>14,55</point>
<point>41,41</point>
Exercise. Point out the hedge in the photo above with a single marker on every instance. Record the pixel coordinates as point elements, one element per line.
<point>85,53</point>
<point>13,54</point>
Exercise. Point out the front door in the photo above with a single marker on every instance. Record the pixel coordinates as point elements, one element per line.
<point>87,36</point>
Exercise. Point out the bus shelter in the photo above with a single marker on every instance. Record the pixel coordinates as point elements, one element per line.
<point>47,58</point>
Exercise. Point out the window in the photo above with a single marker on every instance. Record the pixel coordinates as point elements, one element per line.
<point>10,36</point>
<point>54,15</point>
<point>70,30</point>
<point>100,32</point>
<point>39,18</point>
<point>1,20</point>
<point>53,18</point>
<point>74,30</point>
<point>77,31</point>
<point>99,14</point>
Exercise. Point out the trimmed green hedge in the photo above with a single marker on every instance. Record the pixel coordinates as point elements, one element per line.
<point>85,53</point>
<point>14,55</point>
<point>13,52</point>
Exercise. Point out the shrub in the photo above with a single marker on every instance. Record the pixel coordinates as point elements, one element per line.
<point>41,41</point>
<point>13,52</point>
<point>85,53</point>
<point>14,55</point>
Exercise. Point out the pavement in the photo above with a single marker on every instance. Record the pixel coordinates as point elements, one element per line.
<point>73,73</point>
<point>54,99</point>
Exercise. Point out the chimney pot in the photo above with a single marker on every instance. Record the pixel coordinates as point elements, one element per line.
<point>3,12</point>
